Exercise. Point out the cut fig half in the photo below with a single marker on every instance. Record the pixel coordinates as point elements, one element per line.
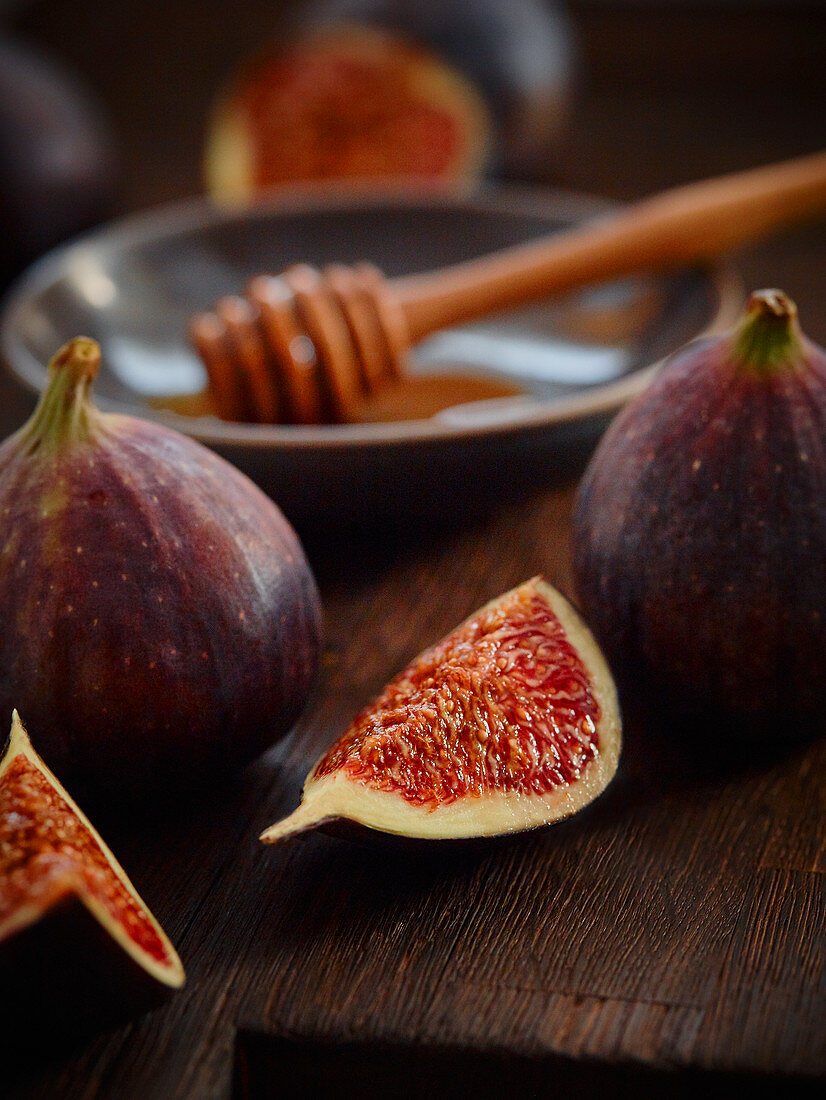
<point>510,723</point>
<point>346,102</point>
<point>72,926</point>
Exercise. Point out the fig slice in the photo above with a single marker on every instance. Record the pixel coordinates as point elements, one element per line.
<point>72,926</point>
<point>511,722</point>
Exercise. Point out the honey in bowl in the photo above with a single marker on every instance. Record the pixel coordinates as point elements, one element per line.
<point>416,397</point>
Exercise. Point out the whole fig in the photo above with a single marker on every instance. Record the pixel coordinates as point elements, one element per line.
<point>389,89</point>
<point>161,623</point>
<point>700,525</point>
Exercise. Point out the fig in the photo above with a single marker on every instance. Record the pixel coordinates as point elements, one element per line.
<point>59,156</point>
<point>699,532</point>
<point>509,723</point>
<point>161,622</point>
<point>73,931</point>
<point>346,102</point>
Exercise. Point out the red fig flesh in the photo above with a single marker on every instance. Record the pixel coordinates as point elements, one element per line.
<point>161,623</point>
<point>52,864</point>
<point>509,723</point>
<point>700,524</point>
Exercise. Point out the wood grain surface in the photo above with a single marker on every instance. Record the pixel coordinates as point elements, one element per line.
<point>667,940</point>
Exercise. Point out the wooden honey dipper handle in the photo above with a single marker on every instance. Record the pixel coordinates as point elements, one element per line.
<point>680,226</point>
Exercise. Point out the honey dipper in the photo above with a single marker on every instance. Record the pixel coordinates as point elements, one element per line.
<point>310,346</point>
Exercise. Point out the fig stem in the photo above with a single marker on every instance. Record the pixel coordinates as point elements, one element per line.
<point>65,411</point>
<point>768,334</point>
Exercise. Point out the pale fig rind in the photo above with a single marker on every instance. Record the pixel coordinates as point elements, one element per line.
<point>336,797</point>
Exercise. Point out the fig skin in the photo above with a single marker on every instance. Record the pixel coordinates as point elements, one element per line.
<point>162,624</point>
<point>699,531</point>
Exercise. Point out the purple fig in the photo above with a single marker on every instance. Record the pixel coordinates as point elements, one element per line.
<point>161,623</point>
<point>700,524</point>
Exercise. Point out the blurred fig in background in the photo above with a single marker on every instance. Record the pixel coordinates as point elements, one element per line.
<point>428,89</point>
<point>346,103</point>
<point>58,157</point>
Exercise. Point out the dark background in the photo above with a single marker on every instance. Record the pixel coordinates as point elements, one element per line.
<point>668,90</point>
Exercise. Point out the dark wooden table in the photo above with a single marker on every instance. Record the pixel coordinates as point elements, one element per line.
<point>669,938</point>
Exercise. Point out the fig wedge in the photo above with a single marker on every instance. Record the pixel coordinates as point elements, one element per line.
<point>75,937</point>
<point>510,723</point>
<point>344,103</point>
